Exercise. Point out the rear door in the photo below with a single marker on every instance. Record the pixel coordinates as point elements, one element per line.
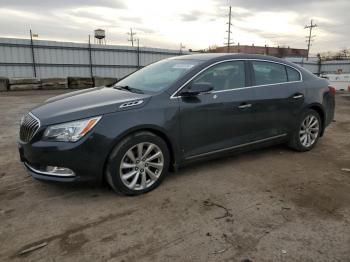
<point>222,118</point>
<point>278,97</point>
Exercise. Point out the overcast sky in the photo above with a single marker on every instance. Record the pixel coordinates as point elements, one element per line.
<point>167,23</point>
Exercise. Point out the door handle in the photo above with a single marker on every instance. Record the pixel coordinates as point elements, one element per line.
<point>242,106</point>
<point>297,96</point>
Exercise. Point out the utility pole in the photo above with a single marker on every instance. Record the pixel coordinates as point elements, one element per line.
<point>310,37</point>
<point>229,32</point>
<point>131,39</point>
<point>90,62</point>
<point>32,48</point>
<point>138,53</point>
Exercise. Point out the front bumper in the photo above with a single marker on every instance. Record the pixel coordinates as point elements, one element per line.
<point>41,175</point>
<point>85,158</point>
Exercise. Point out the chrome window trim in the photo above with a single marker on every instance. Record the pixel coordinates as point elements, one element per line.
<point>237,146</point>
<point>174,95</point>
<point>44,172</point>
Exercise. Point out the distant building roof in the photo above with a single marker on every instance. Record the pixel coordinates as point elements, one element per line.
<point>262,50</point>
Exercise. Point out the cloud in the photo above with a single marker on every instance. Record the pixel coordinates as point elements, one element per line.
<point>197,24</point>
<point>272,5</point>
<point>194,15</point>
<point>332,18</point>
<point>145,30</point>
<point>59,4</point>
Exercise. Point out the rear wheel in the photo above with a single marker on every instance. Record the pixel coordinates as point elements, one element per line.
<point>308,132</point>
<point>138,164</point>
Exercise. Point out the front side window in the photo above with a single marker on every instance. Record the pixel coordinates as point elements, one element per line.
<point>158,76</point>
<point>223,76</point>
<point>269,73</point>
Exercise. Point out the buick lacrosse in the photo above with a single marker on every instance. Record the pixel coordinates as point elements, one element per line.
<point>171,113</point>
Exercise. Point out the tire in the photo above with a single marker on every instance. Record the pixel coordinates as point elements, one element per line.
<point>130,174</point>
<point>298,141</point>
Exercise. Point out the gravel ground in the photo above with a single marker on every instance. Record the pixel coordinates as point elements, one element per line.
<point>272,204</point>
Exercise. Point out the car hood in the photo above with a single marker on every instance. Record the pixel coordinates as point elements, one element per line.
<point>85,103</point>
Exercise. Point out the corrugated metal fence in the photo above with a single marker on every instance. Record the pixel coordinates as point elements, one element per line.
<point>328,67</point>
<point>43,59</point>
<point>323,67</point>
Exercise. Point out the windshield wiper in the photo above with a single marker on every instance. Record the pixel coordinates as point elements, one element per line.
<point>130,89</point>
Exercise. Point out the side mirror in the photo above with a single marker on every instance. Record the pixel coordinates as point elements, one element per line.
<point>196,89</point>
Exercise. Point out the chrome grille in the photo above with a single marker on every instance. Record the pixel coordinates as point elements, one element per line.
<point>29,126</point>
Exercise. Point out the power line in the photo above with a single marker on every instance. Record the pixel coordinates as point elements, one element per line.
<point>310,37</point>
<point>229,43</point>
<point>131,39</point>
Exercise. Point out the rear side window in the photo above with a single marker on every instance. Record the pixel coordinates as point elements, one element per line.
<point>224,76</point>
<point>269,73</point>
<point>293,75</point>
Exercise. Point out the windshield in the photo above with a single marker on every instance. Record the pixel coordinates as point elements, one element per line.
<point>158,76</point>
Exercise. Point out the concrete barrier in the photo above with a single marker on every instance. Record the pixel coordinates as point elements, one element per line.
<point>79,82</point>
<point>15,84</point>
<point>25,87</point>
<point>22,81</point>
<point>105,81</point>
<point>4,84</point>
<point>24,84</point>
<point>54,83</point>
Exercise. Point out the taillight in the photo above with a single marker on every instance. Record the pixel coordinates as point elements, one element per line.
<point>332,90</point>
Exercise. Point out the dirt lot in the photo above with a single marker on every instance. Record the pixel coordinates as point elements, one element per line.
<point>268,205</point>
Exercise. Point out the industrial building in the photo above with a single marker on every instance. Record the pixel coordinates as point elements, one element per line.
<point>262,50</point>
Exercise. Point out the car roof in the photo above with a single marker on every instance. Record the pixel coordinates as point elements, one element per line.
<point>217,57</point>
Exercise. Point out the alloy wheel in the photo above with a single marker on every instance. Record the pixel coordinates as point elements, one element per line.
<point>309,130</point>
<point>141,166</point>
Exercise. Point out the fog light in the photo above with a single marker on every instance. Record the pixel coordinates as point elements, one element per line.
<point>59,171</point>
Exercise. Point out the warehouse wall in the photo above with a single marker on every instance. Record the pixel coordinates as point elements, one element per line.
<point>62,59</point>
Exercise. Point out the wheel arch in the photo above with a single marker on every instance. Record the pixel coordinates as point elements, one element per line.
<point>319,109</point>
<point>147,128</point>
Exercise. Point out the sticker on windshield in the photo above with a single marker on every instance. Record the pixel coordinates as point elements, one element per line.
<point>183,66</point>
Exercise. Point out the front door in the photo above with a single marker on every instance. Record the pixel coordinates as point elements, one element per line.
<point>220,119</point>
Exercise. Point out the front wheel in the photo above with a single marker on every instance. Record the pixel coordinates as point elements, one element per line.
<point>307,134</point>
<point>138,164</point>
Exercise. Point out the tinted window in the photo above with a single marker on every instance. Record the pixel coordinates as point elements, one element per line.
<point>293,75</point>
<point>159,75</point>
<point>224,76</point>
<point>269,73</point>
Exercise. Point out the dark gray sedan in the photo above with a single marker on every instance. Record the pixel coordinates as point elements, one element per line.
<point>171,113</point>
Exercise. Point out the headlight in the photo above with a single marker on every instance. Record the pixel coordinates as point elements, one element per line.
<point>71,131</point>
